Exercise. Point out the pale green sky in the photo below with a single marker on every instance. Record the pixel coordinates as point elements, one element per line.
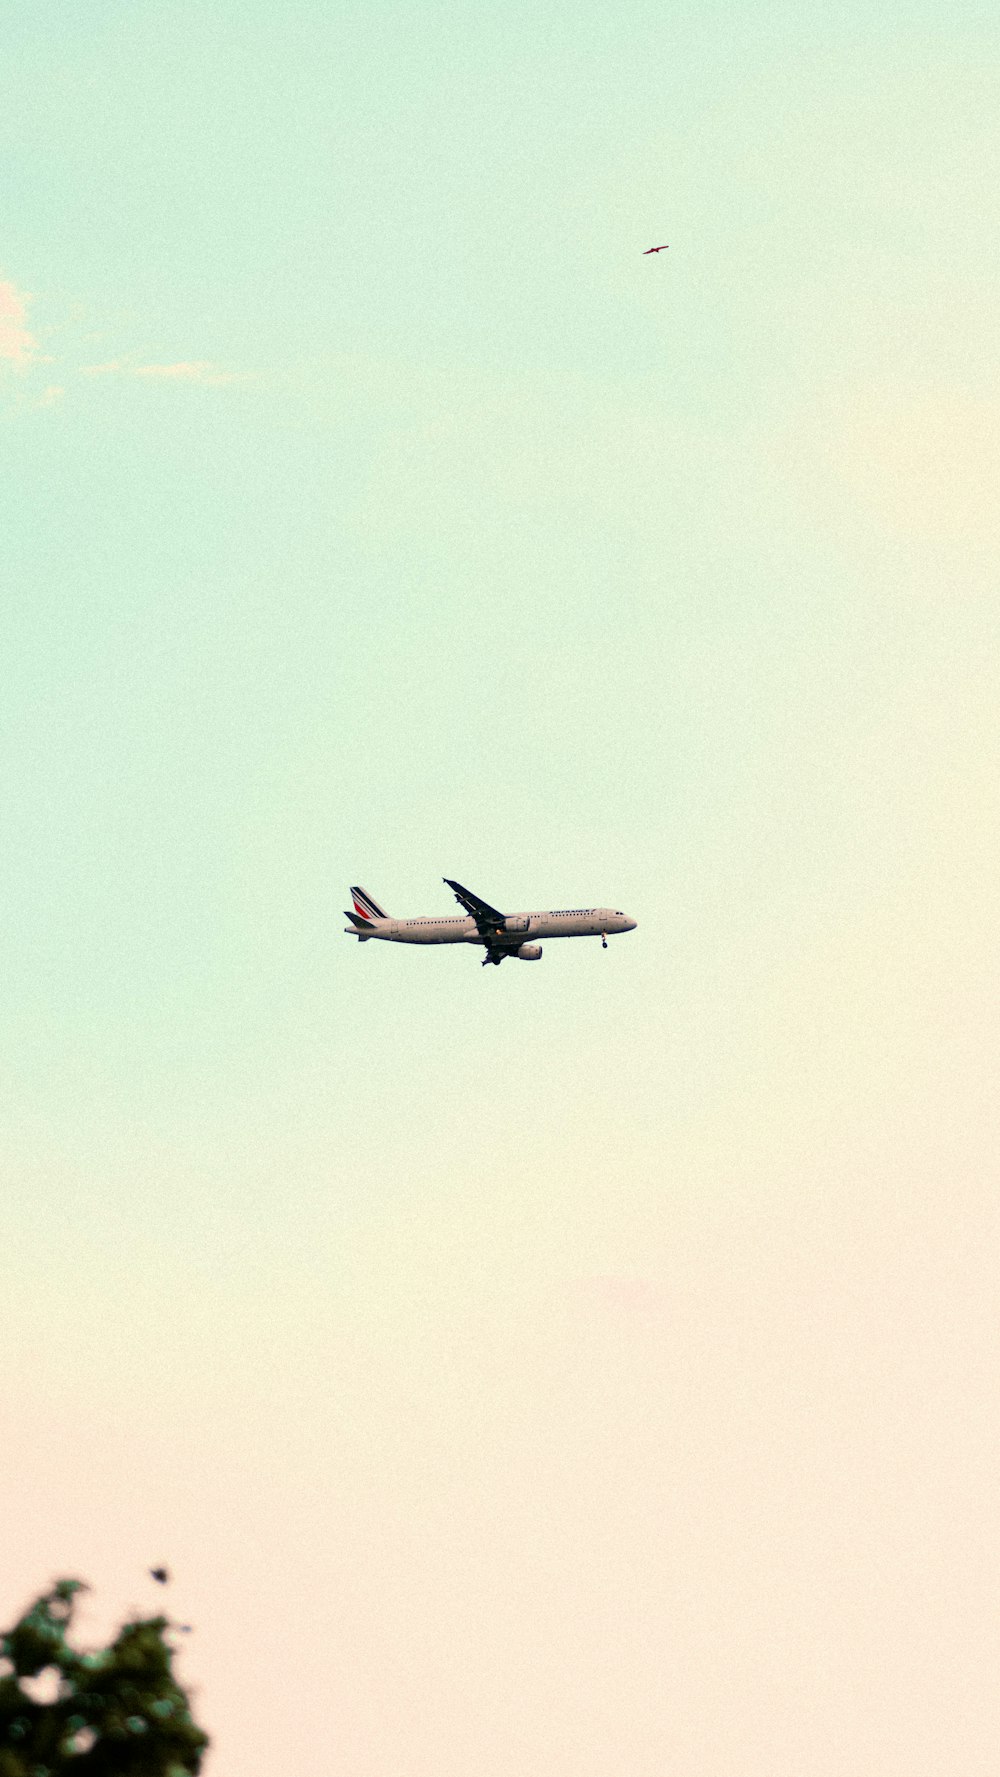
<point>602,1349</point>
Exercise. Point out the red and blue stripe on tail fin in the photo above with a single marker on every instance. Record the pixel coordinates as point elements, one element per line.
<point>365,908</point>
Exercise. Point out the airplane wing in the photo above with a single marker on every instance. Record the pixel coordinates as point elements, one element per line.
<point>488,919</point>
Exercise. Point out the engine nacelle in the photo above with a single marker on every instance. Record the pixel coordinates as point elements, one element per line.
<point>529,953</point>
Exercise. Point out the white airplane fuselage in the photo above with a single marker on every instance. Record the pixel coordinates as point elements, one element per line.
<point>586,922</point>
<point>501,935</point>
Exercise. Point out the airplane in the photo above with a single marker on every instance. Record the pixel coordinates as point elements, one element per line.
<point>503,934</point>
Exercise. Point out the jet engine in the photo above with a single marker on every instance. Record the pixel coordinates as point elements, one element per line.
<point>529,953</point>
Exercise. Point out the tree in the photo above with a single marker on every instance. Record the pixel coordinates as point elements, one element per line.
<point>117,1712</point>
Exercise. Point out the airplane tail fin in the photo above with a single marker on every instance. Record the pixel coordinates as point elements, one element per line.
<point>365,908</point>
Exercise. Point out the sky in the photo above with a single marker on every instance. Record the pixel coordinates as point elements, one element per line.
<point>570,1371</point>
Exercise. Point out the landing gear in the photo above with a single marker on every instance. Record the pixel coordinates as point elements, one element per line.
<point>604,941</point>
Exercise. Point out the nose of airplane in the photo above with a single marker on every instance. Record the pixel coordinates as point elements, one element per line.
<point>630,924</point>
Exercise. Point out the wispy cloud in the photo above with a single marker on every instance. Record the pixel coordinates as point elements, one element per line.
<point>17,345</point>
<point>196,371</point>
<point>187,370</point>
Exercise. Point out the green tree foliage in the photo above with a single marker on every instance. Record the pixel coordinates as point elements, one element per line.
<point>118,1712</point>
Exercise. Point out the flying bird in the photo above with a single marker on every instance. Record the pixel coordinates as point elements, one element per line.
<point>656,249</point>
<point>160,1575</point>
